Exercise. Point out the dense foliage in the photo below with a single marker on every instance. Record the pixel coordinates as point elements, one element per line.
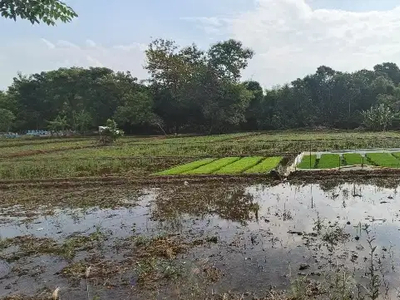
<point>46,11</point>
<point>190,90</point>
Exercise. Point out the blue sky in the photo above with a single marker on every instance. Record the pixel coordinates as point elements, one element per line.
<point>290,37</point>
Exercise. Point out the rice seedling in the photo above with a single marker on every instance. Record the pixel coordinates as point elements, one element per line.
<point>353,159</point>
<point>329,161</point>
<point>212,167</point>
<point>187,167</point>
<point>240,166</point>
<point>308,162</point>
<point>384,160</point>
<point>265,166</point>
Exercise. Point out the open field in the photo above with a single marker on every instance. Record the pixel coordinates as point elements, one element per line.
<point>104,222</point>
<point>140,156</point>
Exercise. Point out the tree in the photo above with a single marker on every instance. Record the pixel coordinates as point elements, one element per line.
<point>58,124</point>
<point>389,70</point>
<point>81,121</point>
<point>6,119</point>
<point>229,58</point>
<point>136,108</point>
<point>190,87</point>
<point>253,111</point>
<point>47,11</point>
<point>378,117</point>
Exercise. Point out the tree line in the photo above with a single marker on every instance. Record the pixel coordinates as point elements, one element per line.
<point>196,91</point>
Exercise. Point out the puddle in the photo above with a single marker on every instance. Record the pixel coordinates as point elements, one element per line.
<point>242,238</point>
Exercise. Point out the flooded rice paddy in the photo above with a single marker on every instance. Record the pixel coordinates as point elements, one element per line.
<point>199,241</point>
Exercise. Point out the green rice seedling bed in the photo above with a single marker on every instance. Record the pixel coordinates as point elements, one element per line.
<point>212,167</point>
<point>308,162</point>
<point>265,166</point>
<point>353,159</point>
<point>240,165</point>
<point>187,167</point>
<point>397,155</point>
<point>328,161</point>
<point>384,160</point>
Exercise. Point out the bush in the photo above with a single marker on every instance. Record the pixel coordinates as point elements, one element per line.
<point>110,133</point>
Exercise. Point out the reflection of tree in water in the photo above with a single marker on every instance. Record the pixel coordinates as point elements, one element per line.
<point>230,203</point>
<point>384,182</point>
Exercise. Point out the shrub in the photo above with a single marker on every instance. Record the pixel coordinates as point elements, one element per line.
<point>110,133</point>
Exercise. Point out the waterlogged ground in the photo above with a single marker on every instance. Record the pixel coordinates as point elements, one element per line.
<point>200,241</point>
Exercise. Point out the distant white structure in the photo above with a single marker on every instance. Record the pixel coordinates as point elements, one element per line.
<point>102,128</point>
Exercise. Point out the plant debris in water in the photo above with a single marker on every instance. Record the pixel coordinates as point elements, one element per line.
<point>202,241</point>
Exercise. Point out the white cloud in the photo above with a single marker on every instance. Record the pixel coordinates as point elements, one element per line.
<point>91,43</point>
<point>132,47</point>
<point>66,44</point>
<point>49,44</point>
<point>291,39</point>
<point>44,55</point>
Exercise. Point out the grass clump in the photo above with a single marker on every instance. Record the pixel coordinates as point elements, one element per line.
<point>187,167</point>
<point>213,167</point>
<point>353,159</point>
<point>265,166</point>
<point>384,160</point>
<point>328,161</point>
<point>240,166</point>
<point>308,162</point>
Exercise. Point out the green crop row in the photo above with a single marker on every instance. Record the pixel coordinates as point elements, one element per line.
<point>226,166</point>
<point>329,161</point>
<point>240,166</point>
<point>353,159</point>
<point>308,162</point>
<point>187,167</point>
<point>265,166</point>
<point>384,160</point>
<point>213,167</point>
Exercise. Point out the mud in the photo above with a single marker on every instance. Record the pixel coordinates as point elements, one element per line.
<point>195,240</point>
<point>141,180</point>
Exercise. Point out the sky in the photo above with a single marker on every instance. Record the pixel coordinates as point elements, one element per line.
<point>291,38</point>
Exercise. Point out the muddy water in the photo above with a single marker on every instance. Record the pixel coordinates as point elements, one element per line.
<point>253,237</point>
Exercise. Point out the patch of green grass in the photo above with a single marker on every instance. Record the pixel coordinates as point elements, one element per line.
<point>308,162</point>
<point>185,168</point>
<point>353,159</point>
<point>265,166</point>
<point>384,160</point>
<point>213,167</point>
<point>328,161</point>
<point>69,168</point>
<point>240,166</point>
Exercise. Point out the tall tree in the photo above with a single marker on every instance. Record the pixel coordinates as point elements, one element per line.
<point>253,111</point>
<point>229,58</point>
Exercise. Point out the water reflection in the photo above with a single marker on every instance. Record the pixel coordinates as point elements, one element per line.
<point>233,204</point>
<point>254,228</point>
